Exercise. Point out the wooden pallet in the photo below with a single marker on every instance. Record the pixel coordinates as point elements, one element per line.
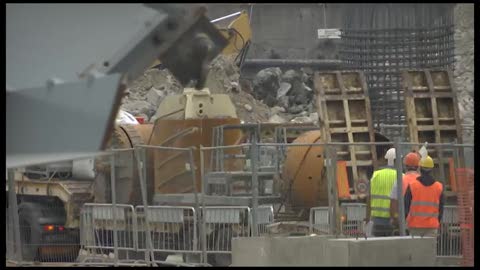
<point>433,116</point>
<point>345,116</point>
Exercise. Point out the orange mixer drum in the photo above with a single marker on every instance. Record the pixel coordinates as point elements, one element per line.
<point>126,169</point>
<point>304,172</point>
<point>172,172</point>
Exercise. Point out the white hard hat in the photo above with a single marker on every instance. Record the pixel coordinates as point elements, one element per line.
<point>390,155</point>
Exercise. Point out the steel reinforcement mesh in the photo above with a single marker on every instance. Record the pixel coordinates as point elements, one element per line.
<point>383,39</point>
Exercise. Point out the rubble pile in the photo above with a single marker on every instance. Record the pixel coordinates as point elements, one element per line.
<point>224,78</point>
<point>290,94</point>
<point>273,96</point>
<point>147,92</point>
<point>464,65</point>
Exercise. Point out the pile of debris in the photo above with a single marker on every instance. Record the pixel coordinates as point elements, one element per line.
<point>224,78</point>
<point>290,94</point>
<point>272,97</point>
<point>146,93</point>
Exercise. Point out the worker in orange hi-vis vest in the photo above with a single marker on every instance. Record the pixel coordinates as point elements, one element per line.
<point>411,162</point>
<point>424,202</point>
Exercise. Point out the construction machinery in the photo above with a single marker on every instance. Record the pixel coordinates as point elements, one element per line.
<point>236,29</point>
<point>198,118</point>
<point>49,207</point>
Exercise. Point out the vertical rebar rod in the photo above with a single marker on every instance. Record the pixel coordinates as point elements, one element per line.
<point>12,197</point>
<point>401,207</point>
<point>114,205</point>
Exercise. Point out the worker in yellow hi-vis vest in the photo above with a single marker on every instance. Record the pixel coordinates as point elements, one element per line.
<point>378,202</point>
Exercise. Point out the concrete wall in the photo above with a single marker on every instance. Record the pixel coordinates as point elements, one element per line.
<point>464,65</point>
<point>287,30</point>
<point>325,251</point>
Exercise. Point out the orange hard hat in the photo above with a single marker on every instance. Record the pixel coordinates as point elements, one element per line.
<point>412,159</point>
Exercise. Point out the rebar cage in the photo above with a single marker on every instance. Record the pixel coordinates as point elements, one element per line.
<point>383,39</point>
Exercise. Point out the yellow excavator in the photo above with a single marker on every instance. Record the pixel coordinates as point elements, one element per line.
<point>236,29</point>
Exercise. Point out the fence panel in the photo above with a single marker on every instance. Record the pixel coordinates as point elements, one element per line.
<point>97,226</point>
<point>222,224</point>
<point>449,239</point>
<point>173,229</point>
<point>9,236</point>
<point>354,214</point>
<point>319,220</point>
<point>466,198</point>
<point>264,218</point>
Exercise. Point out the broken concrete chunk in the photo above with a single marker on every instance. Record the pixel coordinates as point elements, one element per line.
<point>276,110</point>
<point>296,109</point>
<point>138,106</point>
<point>155,96</point>
<point>276,119</point>
<point>314,117</point>
<point>234,86</point>
<point>267,82</point>
<point>283,90</point>
<point>290,75</point>
<point>301,119</point>
<point>248,107</point>
<point>306,87</point>
<point>283,102</point>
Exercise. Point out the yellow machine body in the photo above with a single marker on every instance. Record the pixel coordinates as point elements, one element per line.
<point>238,33</point>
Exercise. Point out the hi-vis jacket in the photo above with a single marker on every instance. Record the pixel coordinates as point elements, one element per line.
<point>425,205</point>
<point>380,188</point>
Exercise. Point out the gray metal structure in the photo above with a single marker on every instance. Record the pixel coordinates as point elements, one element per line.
<point>67,66</point>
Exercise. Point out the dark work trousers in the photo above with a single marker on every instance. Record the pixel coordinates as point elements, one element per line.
<point>382,227</point>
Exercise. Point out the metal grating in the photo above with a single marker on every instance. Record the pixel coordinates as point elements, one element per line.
<point>384,39</point>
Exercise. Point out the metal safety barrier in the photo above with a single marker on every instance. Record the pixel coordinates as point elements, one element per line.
<point>354,214</point>
<point>449,235</point>
<point>9,239</point>
<point>319,220</point>
<point>98,222</point>
<point>223,223</point>
<point>172,229</point>
<point>265,217</point>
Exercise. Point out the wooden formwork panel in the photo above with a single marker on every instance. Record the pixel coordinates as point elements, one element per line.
<point>433,116</point>
<point>345,116</point>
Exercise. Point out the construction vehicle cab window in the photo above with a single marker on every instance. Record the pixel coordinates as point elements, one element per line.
<point>230,135</point>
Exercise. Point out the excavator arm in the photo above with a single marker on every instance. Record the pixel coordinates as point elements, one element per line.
<point>236,31</point>
<point>66,100</point>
